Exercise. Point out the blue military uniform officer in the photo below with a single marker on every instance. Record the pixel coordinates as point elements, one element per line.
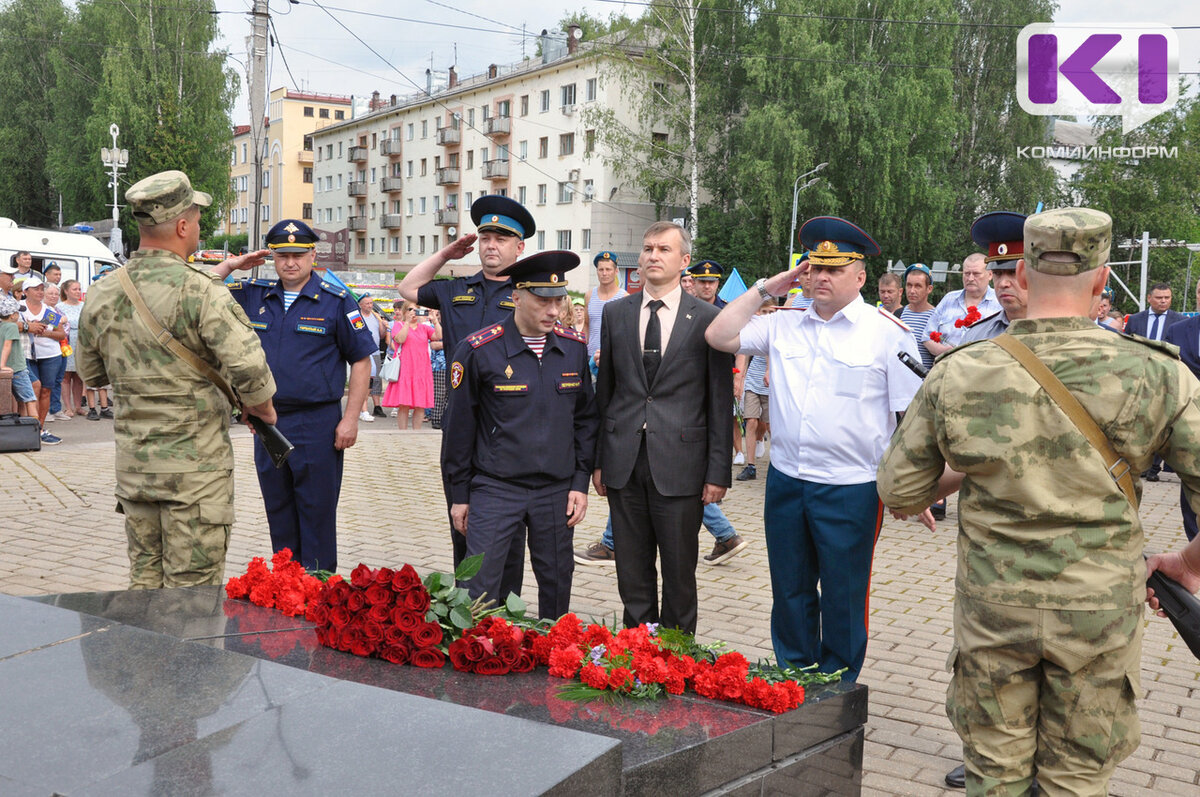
<point>518,447</point>
<point>707,274</point>
<point>468,304</point>
<point>310,331</point>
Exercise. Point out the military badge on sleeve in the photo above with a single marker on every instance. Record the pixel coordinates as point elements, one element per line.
<point>456,375</point>
<point>356,319</point>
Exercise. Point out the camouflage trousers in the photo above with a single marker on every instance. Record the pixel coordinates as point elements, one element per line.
<point>1043,691</point>
<point>177,525</point>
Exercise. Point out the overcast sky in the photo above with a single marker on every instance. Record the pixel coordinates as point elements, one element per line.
<point>409,37</point>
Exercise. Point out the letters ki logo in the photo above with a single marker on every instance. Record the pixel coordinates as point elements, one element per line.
<point>1125,70</point>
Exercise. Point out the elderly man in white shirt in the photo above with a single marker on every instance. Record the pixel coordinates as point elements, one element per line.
<point>837,385</point>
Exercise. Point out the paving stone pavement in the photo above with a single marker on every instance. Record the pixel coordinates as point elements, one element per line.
<point>59,533</point>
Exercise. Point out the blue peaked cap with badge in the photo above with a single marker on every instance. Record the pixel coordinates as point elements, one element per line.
<point>1002,233</point>
<point>706,270</point>
<point>833,242</point>
<point>495,212</point>
<point>291,236</point>
<point>543,273</point>
<point>611,257</point>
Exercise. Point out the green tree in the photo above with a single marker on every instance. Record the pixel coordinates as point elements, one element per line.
<point>157,77</point>
<point>31,33</point>
<point>1155,194</point>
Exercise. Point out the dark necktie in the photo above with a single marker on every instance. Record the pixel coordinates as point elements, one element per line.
<point>1154,327</point>
<point>652,348</point>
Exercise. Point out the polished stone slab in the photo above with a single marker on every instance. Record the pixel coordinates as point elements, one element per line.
<point>108,708</point>
<point>681,745</point>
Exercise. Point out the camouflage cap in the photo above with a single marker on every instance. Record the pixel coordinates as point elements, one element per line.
<point>8,306</point>
<point>1083,232</point>
<point>162,197</point>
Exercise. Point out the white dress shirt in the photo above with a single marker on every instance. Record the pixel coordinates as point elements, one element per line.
<point>835,388</point>
<point>666,316</point>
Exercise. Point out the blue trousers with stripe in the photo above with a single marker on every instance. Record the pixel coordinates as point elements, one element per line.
<point>820,542</point>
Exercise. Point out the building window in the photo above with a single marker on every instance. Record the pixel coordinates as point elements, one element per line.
<point>410,168</point>
<point>522,149</point>
<point>328,151</point>
<point>451,201</point>
<point>521,194</point>
<point>524,105</point>
<point>545,100</point>
<point>566,192</point>
<point>421,242</point>
<point>245,215</point>
<point>589,142</point>
<point>424,167</point>
<point>424,128</point>
<point>408,244</point>
<point>410,131</point>
<point>233,215</point>
<point>265,212</point>
<point>541,239</point>
<point>410,206</point>
<point>339,114</point>
<point>485,111</point>
<point>372,174</point>
<point>543,146</point>
<point>372,246</point>
<point>470,159</point>
<point>374,140</point>
<point>589,90</point>
<point>324,113</point>
<point>395,250</point>
<point>266,178</point>
<point>504,109</point>
<point>566,144</point>
<point>541,194</point>
<point>422,205</point>
<point>564,239</point>
<point>589,190</point>
<point>243,152</point>
<point>470,117</point>
<point>585,240</point>
<point>435,243</point>
<point>308,143</point>
<point>308,174</point>
<point>308,110</point>
<point>341,150</point>
<point>483,154</point>
<point>567,94</point>
<point>362,246</point>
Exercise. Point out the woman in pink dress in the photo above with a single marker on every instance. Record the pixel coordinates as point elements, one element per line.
<point>411,335</point>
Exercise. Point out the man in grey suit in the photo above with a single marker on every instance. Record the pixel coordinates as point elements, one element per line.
<point>665,397</point>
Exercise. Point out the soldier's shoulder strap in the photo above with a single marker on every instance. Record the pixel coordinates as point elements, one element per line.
<point>1160,346</point>
<point>571,333</point>
<point>483,336</point>
<point>334,289</point>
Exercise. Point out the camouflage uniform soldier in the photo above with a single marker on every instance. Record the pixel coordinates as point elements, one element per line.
<point>1047,620</point>
<point>174,459</point>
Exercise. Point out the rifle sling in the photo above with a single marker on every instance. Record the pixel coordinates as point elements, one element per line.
<point>169,342</point>
<point>1118,468</point>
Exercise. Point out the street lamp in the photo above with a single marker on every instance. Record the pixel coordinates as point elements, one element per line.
<point>115,159</point>
<point>796,189</point>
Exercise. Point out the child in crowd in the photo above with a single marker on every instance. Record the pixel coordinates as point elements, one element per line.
<point>12,356</point>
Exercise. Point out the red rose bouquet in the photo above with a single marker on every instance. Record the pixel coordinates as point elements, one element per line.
<point>494,647</point>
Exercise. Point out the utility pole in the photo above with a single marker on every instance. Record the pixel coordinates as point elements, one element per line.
<point>258,94</point>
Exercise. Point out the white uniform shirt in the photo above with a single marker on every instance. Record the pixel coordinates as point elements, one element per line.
<point>835,388</point>
<point>953,306</point>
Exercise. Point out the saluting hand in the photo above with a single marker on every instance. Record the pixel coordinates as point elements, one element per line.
<point>460,248</point>
<point>781,283</point>
<point>247,261</point>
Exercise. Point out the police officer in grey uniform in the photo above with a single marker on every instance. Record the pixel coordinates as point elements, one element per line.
<point>520,436</point>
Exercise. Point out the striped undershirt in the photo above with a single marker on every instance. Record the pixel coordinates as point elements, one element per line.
<point>288,298</point>
<point>536,345</point>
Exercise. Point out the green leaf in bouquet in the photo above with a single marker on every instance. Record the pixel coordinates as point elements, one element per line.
<point>431,616</point>
<point>440,609</point>
<point>461,618</point>
<point>443,593</point>
<point>458,597</point>
<point>433,582</point>
<point>514,605</point>
<point>469,567</point>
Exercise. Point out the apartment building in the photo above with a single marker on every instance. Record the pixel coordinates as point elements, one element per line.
<point>401,177</point>
<point>287,181</point>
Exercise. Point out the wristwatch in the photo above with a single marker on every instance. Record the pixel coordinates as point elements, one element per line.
<point>761,286</point>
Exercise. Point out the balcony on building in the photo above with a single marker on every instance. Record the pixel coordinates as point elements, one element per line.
<point>497,126</point>
<point>389,146</point>
<point>358,154</point>
<point>447,176</point>
<point>391,221</point>
<point>305,156</point>
<point>393,184</point>
<point>356,188</point>
<point>358,223</point>
<point>445,217</point>
<point>449,136</point>
<point>495,170</point>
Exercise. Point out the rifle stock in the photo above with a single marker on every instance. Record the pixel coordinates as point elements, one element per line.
<point>278,446</point>
<point>1181,607</point>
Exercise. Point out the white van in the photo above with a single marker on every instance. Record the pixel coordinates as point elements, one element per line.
<point>80,256</point>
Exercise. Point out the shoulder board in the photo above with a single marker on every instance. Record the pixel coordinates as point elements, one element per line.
<point>1169,349</point>
<point>484,335</point>
<point>886,313</point>
<point>983,320</point>
<point>262,283</point>
<point>335,290</point>
<point>569,332</point>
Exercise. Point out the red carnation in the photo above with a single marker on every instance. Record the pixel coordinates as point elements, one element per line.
<point>564,662</point>
<point>594,676</point>
<point>621,678</point>
<point>236,588</point>
<point>936,336</point>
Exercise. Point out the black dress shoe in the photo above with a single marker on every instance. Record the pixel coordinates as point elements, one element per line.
<point>957,777</point>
